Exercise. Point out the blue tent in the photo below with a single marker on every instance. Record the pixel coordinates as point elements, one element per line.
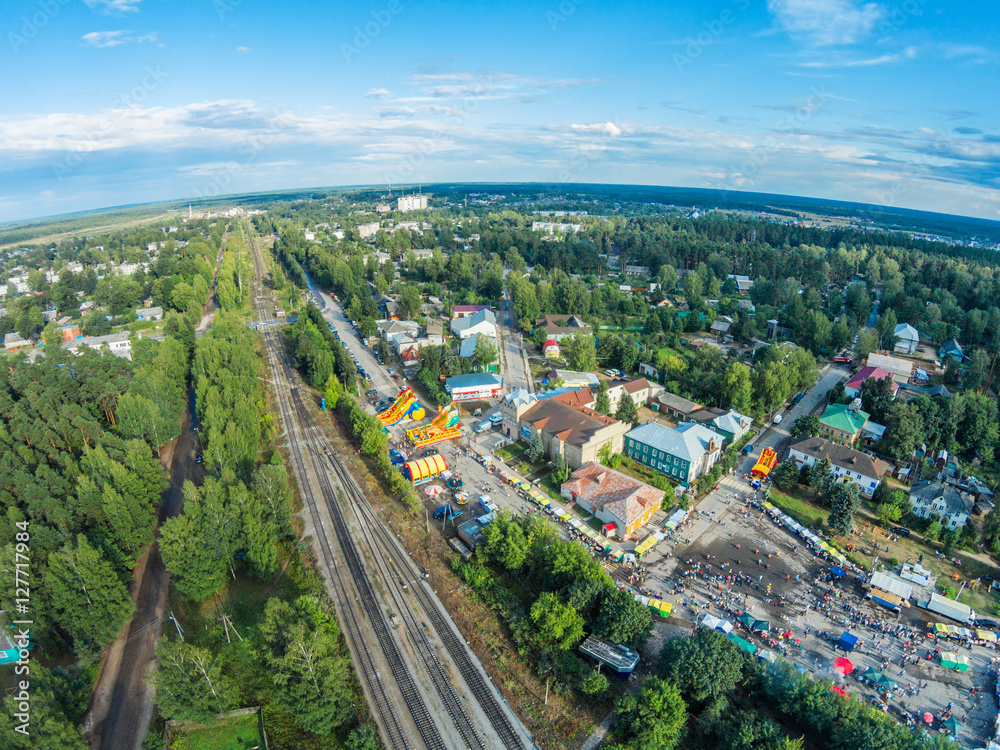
<point>838,572</point>
<point>847,641</point>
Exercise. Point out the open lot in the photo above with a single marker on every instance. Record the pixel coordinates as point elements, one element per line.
<point>805,601</point>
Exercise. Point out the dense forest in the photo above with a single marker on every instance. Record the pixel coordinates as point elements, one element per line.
<point>77,441</point>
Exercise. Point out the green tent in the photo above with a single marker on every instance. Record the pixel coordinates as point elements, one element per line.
<point>878,679</point>
<point>952,725</point>
<point>953,660</point>
<point>747,619</point>
<point>742,644</point>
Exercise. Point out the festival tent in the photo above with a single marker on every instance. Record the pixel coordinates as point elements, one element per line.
<point>742,644</point>
<point>767,656</point>
<point>539,497</point>
<point>716,623</point>
<point>986,635</point>
<point>878,679</point>
<point>847,641</point>
<point>939,628</point>
<point>646,545</point>
<point>839,691</point>
<point>962,633</point>
<point>952,660</point>
<point>838,572</point>
<point>753,624</point>
<point>952,724</point>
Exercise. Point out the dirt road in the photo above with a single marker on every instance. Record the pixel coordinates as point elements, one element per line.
<point>121,705</point>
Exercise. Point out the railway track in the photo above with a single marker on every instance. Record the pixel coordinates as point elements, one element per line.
<point>391,551</point>
<point>398,573</point>
<point>379,698</point>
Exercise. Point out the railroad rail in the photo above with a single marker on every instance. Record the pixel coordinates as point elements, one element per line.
<point>398,573</point>
<point>380,700</point>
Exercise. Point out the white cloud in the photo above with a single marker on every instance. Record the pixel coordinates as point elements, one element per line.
<point>608,128</point>
<point>378,93</point>
<point>826,22</point>
<point>114,6</point>
<point>242,50</point>
<point>866,62</point>
<point>116,38</point>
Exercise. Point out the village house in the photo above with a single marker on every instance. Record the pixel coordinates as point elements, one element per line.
<point>847,464</point>
<point>613,497</point>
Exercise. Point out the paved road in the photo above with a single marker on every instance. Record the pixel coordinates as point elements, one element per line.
<point>335,315</point>
<point>776,436</point>
<point>516,369</point>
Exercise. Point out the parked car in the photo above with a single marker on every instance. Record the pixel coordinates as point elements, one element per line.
<point>446,510</point>
<point>901,530</point>
<point>985,622</point>
<point>778,418</point>
<point>199,458</point>
<point>372,392</point>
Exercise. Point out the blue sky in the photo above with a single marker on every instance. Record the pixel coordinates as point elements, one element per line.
<point>106,102</point>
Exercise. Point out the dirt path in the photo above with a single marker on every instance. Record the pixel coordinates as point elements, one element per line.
<point>121,705</point>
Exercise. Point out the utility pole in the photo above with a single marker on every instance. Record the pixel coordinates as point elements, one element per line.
<point>176,624</point>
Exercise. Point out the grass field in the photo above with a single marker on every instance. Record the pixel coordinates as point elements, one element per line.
<point>237,733</point>
<point>511,450</point>
<point>801,510</point>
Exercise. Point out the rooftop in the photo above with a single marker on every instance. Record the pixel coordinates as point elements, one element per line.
<point>605,489</point>
<point>677,403</point>
<point>474,379</point>
<point>956,500</point>
<point>873,373</point>
<point>689,441</point>
<point>843,417</point>
<point>841,455</point>
<point>573,425</point>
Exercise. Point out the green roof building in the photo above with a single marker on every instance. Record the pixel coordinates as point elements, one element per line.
<point>843,422</point>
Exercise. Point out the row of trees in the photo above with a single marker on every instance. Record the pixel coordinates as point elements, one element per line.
<point>237,523</point>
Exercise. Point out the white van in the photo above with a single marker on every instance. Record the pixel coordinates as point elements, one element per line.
<point>484,426</point>
<point>496,417</point>
<point>778,418</point>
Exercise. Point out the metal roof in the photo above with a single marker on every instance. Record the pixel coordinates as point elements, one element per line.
<point>892,585</point>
